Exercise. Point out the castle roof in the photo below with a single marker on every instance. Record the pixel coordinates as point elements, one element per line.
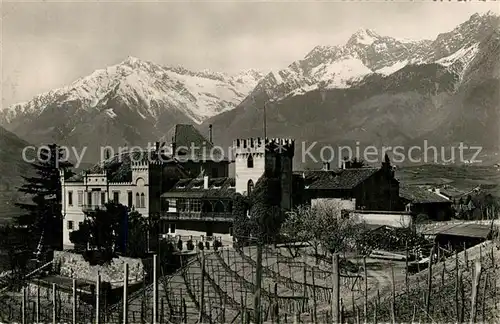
<point>186,136</point>
<point>194,188</point>
<point>338,179</point>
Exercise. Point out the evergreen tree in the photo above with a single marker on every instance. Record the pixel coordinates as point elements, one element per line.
<point>114,229</point>
<point>241,222</point>
<point>13,248</point>
<point>43,218</point>
<point>137,229</point>
<point>102,229</point>
<point>266,215</point>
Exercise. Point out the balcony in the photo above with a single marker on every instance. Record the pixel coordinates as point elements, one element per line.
<point>201,216</point>
<point>89,208</point>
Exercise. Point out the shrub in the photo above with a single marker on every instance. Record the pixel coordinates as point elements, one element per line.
<point>200,245</point>
<point>179,245</point>
<point>207,245</point>
<point>98,257</point>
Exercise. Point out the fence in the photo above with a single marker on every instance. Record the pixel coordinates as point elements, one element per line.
<point>251,285</point>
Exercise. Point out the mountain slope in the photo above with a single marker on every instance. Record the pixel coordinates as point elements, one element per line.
<point>374,89</point>
<point>367,52</point>
<point>12,166</point>
<point>131,103</point>
<point>475,117</point>
<point>444,91</point>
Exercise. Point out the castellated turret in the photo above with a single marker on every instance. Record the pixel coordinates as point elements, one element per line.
<point>143,171</point>
<point>285,146</point>
<point>254,156</point>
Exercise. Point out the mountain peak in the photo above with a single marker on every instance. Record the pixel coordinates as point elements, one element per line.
<point>366,32</point>
<point>479,18</point>
<point>131,60</point>
<point>364,36</point>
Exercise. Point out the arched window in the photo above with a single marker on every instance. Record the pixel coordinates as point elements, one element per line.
<point>206,206</point>
<point>143,200</point>
<point>249,187</point>
<point>250,161</point>
<point>137,201</point>
<point>219,207</point>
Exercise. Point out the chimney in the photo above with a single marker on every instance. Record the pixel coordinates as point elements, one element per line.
<point>157,146</point>
<point>205,182</point>
<point>210,133</point>
<point>326,166</point>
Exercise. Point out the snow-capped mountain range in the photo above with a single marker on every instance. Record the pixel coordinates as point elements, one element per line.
<point>199,95</point>
<point>367,53</point>
<point>378,90</point>
<point>136,101</point>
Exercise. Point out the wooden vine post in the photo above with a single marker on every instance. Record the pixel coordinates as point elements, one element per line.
<point>475,286</point>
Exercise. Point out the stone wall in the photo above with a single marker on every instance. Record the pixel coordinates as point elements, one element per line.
<point>388,218</point>
<point>73,265</point>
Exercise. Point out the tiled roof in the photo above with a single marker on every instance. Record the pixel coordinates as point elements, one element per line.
<point>452,192</point>
<point>467,230</point>
<point>119,167</point>
<point>419,195</point>
<point>193,187</point>
<point>336,179</point>
<point>186,136</point>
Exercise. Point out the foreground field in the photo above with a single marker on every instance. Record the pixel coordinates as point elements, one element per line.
<point>299,287</point>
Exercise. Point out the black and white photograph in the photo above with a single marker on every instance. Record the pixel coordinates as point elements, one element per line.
<point>250,162</point>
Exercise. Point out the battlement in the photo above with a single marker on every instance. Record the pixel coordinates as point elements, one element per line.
<point>120,183</point>
<point>248,143</point>
<point>139,164</point>
<point>145,164</point>
<point>285,142</point>
<point>258,142</point>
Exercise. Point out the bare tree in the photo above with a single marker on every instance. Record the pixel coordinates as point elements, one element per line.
<point>322,227</point>
<point>300,225</point>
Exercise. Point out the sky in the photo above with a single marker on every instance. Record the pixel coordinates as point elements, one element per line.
<point>47,45</point>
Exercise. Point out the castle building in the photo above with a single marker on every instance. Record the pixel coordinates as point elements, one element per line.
<point>187,185</point>
<point>196,153</point>
<point>189,188</point>
<point>202,206</point>
<point>255,156</point>
<point>134,185</point>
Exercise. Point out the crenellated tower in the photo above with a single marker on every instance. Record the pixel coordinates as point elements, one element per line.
<point>147,179</point>
<point>140,173</point>
<point>256,156</point>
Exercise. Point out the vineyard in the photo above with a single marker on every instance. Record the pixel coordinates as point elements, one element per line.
<point>220,287</point>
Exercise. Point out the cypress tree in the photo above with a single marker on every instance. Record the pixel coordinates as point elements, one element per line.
<point>265,211</point>
<point>241,222</point>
